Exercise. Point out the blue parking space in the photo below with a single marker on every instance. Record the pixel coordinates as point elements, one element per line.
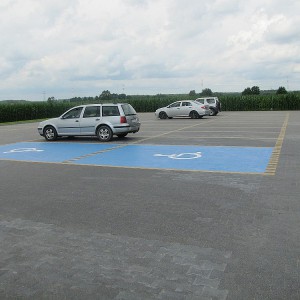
<point>49,152</point>
<point>227,159</point>
<point>194,158</point>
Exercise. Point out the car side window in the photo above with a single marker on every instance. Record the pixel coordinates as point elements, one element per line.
<point>186,103</point>
<point>73,113</point>
<point>175,104</point>
<point>91,112</point>
<point>110,111</point>
<point>201,101</point>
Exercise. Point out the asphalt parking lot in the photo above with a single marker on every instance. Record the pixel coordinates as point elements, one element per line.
<point>183,209</point>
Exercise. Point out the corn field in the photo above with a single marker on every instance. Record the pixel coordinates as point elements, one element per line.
<point>41,110</point>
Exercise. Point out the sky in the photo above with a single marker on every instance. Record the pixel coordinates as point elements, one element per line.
<point>69,48</point>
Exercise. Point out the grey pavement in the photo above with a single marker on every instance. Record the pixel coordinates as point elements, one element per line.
<point>90,232</point>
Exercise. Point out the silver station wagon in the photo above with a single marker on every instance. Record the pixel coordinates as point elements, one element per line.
<point>101,120</point>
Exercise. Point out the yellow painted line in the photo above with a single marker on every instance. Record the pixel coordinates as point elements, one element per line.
<point>272,166</point>
<point>93,153</point>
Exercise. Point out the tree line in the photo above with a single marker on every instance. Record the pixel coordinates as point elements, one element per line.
<point>255,90</point>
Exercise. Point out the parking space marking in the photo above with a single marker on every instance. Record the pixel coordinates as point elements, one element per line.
<point>252,160</point>
<point>220,159</point>
<point>245,160</point>
<point>93,153</point>
<point>220,137</point>
<point>172,131</point>
<point>273,163</point>
<point>49,152</point>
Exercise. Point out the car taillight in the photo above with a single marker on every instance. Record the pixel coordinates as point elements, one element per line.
<point>203,107</point>
<point>123,119</point>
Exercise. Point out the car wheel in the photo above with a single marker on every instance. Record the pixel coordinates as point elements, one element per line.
<point>50,133</point>
<point>212,112</point>
<point>194,114</point>
<point>121,135</point>
<point>104,133</point>
<point>162,115</point>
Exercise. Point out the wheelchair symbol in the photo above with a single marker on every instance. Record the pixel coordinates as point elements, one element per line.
<point>20,150</point>
<point>192,155</point>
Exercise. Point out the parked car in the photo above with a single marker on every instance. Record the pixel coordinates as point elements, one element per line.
<point>101,120</point>
<point>213,103</point>
<point>184,108</point>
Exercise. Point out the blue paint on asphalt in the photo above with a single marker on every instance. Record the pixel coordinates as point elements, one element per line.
<point>229,159</point>
<point>49,152</point>
<point>197,158</point>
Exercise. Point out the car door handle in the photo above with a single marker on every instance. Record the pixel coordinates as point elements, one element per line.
<point>97,119</point>
<point>77,121</point>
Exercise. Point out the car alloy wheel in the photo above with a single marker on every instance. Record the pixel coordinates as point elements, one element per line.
<point>104,133</point>
<point>50,133</point>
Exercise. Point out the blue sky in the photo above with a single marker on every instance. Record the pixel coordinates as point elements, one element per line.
<point>67,48</point>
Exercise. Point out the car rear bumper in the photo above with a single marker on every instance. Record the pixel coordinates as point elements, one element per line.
<point>126,128</point>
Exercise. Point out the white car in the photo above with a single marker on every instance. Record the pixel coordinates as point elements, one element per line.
<point>101,120</point>
<point>184,108</point>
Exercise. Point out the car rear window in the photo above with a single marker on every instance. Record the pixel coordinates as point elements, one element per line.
<point>210,101</point>
<point>128,110</point>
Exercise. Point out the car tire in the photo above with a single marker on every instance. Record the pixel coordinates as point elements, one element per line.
<point>212,112</point>
<point>194,115</point>
<point>104,133</point>
<point>162,115</point>
<point>50,133</point>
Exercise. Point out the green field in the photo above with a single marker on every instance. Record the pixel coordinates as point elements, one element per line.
<point>27,110</point>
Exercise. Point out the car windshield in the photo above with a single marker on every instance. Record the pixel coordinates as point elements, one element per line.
<point>128,110</point>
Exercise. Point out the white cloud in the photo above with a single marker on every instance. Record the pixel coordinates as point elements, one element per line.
<point>82,47</point>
